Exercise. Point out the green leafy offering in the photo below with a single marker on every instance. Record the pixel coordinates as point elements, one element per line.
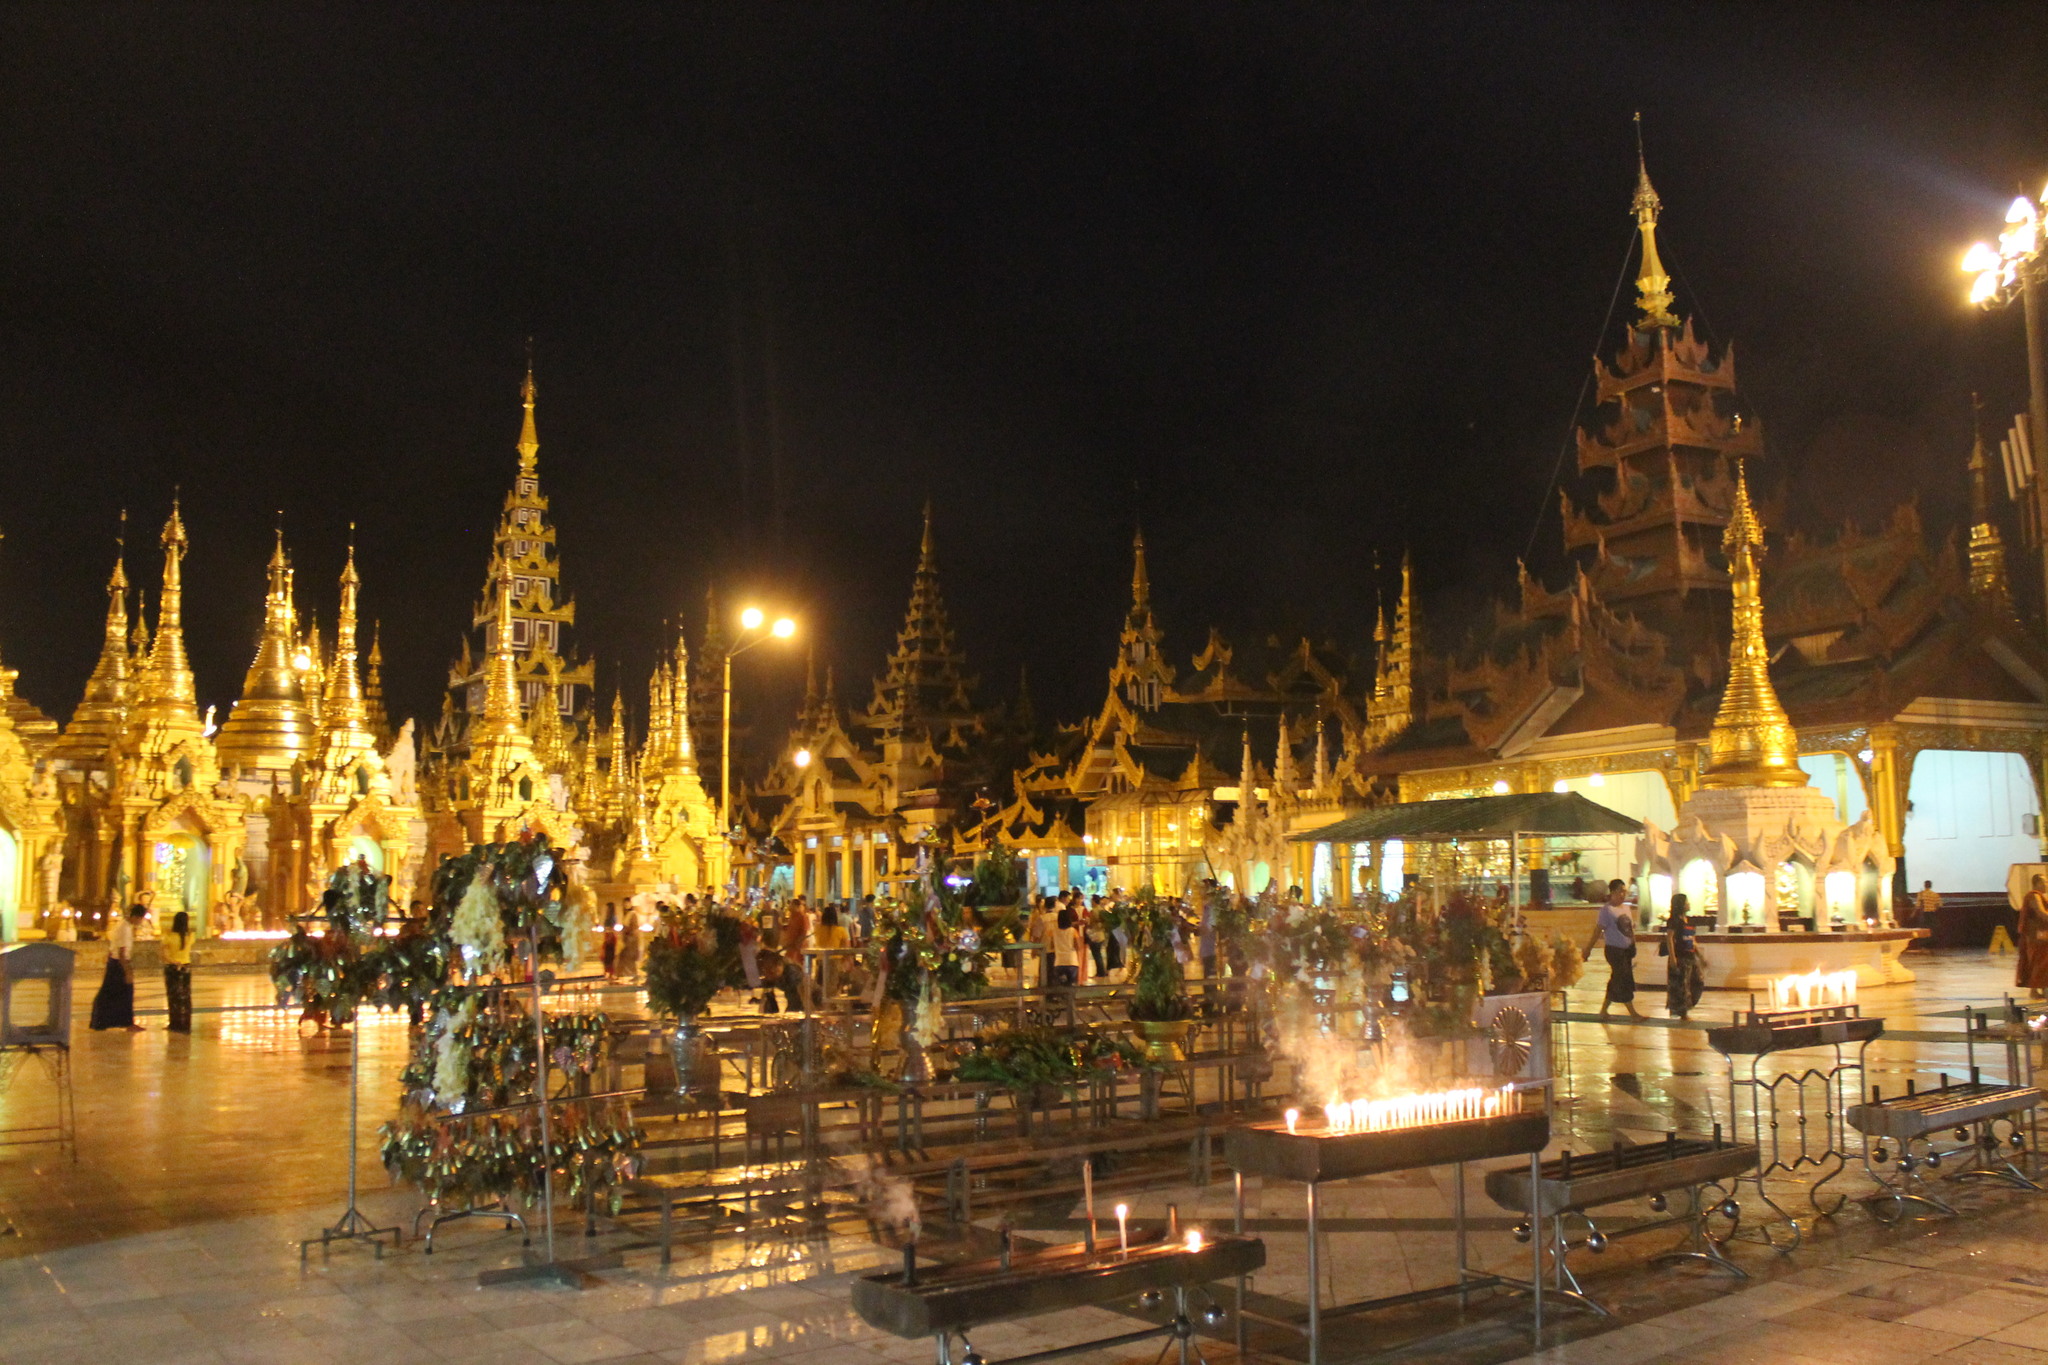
<point>1027,1058</point>
<point>691,957</point>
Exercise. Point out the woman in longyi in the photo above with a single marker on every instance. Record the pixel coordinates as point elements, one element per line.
<point>2033,945</point>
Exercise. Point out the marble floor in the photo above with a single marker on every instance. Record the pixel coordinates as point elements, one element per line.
<point>203,1160</point>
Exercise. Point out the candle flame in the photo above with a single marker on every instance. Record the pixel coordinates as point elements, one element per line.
<point>1293,1117</point>
<point>1194,1239</point>
<point>1813,990</point>
<point>1415,1111</point>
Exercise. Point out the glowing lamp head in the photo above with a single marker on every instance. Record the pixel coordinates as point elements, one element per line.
<point>1597,780</point>
<point>802,758</point>
<point>1979,258</point>
<point>751,618</point>
<point>1560,786</point>
<point>302,661</point>
<point>783,628</point>
<point>1500,787</point>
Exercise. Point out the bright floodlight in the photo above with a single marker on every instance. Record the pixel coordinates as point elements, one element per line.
<point>784,628</point>
<point>302,661</point>
<point>1500,787</point>
<point>803,758</point>
<point>751,618</point>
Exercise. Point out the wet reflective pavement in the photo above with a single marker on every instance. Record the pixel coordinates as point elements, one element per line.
<point>204,1160</point>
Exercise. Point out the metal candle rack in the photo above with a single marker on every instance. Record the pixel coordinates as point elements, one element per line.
<point>1753,1101</point>
<point>354,1224</point>
<point>1972,1109</point>
<point>1578,1181</point>
<point>1312,1156</point>
<point>951,1301</point>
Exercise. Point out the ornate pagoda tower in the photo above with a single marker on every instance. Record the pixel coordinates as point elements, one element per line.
<point>925,694</point>
<point>343,805</point>
<point>1141,675</point>
<point>1670,426</point>
<point>1391,708</point>
<point>524,543</point>
<point>180,831</point>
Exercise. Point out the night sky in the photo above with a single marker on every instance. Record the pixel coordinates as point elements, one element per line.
<point>1296,287</point>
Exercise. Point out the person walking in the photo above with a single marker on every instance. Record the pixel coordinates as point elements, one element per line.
<point>1615,933</point>
<point>1685,975</point>
<point>114,1005</point>
<point>2033,944</point>
<point>177,950</point>
<point>611,941</point>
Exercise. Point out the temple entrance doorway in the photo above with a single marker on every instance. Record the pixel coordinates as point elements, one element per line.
<point>1967,819</point>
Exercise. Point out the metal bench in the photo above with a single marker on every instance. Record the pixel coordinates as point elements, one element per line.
<point>1576,1182</point>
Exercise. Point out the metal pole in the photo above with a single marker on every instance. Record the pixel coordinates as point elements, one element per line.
<point>1458,1213</point>
<point>725,754</point>
<point>1315,1290</point>
<point>1237,1226</point>
<point>355,1072</point>
<point>547,1140</point>
<point>1536,1245</point>
<point>2036,311</point>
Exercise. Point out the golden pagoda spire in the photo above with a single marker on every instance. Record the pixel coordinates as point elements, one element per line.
<point>502,712</point>
<point>168,702</point>
<point>529,441</point>
<point>1653,286</point>
<point>102,713</point>
<point>1752,743</point>
<point>1987,546</point>
<point>1141,581</point>
<point>343,733</point>
<point>681,755</point>
<point>378,718</point>
<point>271,727</point>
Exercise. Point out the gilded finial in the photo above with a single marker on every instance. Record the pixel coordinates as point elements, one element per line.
<point>1653,286</point>
<point>1141,581</point>
<point>529,440</point>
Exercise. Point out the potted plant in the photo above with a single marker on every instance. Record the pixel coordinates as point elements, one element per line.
<point>690,958</point>
<point>1159,1002</point>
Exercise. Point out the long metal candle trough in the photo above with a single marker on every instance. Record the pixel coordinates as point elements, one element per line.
<point>1312,1155</point>
<point>1971,1108</point>
<point>1567,1187</point>
<point>950,1301</point>
<point>1756,1032</point>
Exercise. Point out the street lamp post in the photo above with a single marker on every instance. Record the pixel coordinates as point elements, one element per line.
<point>2015,267</point>
<point>750,621</point>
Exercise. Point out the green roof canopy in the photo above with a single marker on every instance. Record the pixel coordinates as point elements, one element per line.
<point>1476,817</point>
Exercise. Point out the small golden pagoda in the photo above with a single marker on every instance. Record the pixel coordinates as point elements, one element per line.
<point>342,806</point>
<point>681,826</point>
<point>1752,743</point>
<point>271,727</point>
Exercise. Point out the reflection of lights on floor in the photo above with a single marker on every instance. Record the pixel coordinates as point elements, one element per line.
<point>272,1026</point>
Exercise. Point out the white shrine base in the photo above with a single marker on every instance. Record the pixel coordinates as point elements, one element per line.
<point>1750,962</point>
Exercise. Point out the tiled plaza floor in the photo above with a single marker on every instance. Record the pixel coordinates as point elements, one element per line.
<point>205,1159</point>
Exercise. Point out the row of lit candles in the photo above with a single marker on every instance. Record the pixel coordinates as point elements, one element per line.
<point>1409,1111</point>
<point>1813,990</point>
